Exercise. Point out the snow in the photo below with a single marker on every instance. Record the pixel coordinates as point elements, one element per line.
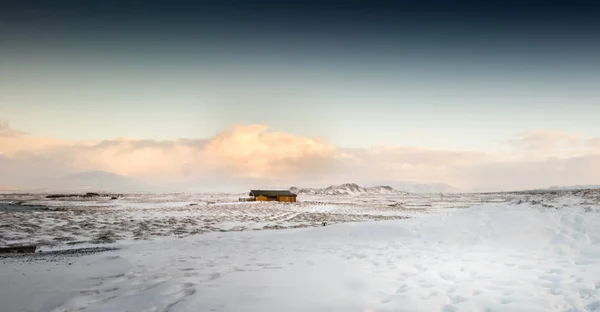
<point>143,216</point>
<point>415,187</point>
<point>384,187</point>
<point>534,253</point>
<point>347,189</point>
<point>572,187</point>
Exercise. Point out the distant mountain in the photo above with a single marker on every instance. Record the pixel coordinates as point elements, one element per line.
<point>90,181</point>
<point>9,188</point>
<point>346,189</point>
<point>570,188</point>
<point>413,187</point>
<point>101,181</point>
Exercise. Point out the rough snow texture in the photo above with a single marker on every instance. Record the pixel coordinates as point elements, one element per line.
<point>75,221</point>
<point>533,253</point>
<point>347,189</point>
<point>415,187</point>
<point>572,187</point>
<point>382,188</point>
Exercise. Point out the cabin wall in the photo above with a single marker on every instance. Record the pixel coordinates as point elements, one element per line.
<point>284,198</point>
<point>265,198</point>
<point>287,199</point>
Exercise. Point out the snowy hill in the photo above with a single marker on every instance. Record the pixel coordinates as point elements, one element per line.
<point>346,189</point>
<point>570,188</point>
<point>413,187</point>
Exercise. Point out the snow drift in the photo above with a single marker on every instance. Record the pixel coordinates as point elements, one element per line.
<point>493,257</point>
<point>420,188</point>
<point>346,189</point>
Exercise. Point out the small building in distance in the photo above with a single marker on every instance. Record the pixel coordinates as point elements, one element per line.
<point>271,195</point>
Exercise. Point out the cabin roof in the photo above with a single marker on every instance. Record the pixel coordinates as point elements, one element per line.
<point>271,193</point>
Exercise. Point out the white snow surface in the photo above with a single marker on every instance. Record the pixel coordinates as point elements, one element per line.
<point>415,187</point>
<point>490,257</point>
<point>141,216</point>
<point>347,189</point>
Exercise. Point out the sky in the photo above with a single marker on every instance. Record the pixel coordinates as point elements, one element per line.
<point>494,95</point>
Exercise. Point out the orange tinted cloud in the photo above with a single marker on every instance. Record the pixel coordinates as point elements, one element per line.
<point>254,152</point>
<point>594,143</point>
<point>244,150</point>
<point>544,141</point>
<point>6,131</point>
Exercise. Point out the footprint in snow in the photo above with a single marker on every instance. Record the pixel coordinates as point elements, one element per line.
<point>594,306</point>
<point>187,269</point>
<point>457,299</point>
<point>449,308</point>
<point>272,267</point>
<point>214,276</point>
<point>446,276</point>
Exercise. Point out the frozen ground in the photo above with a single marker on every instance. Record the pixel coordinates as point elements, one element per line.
<point>537,252</point>
<point>75,221</point>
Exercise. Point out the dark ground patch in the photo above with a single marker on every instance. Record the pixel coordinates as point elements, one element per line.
<point>86,195</point>
<point>18,207</point>
<point>52,255</point>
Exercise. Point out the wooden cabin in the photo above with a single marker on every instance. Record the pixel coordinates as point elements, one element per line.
<point>269,195</point>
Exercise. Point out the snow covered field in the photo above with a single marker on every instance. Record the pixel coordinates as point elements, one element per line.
<point>75,221</point>
<point>496,252</point>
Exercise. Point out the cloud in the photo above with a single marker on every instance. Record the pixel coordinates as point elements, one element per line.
<point>545,143</point>
<point>6,131</point>
<point>254,152</point>
<point>254,155</point>
<point>594,143</point>
<point>508,176</point>
<point>244,151</point>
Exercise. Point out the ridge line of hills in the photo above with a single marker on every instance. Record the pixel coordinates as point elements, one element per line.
<point>101,181</point>
<point>355,189</point>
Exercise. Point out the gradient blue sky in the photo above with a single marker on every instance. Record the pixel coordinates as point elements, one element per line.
<point>496,95</point>
<point>357,76</point>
